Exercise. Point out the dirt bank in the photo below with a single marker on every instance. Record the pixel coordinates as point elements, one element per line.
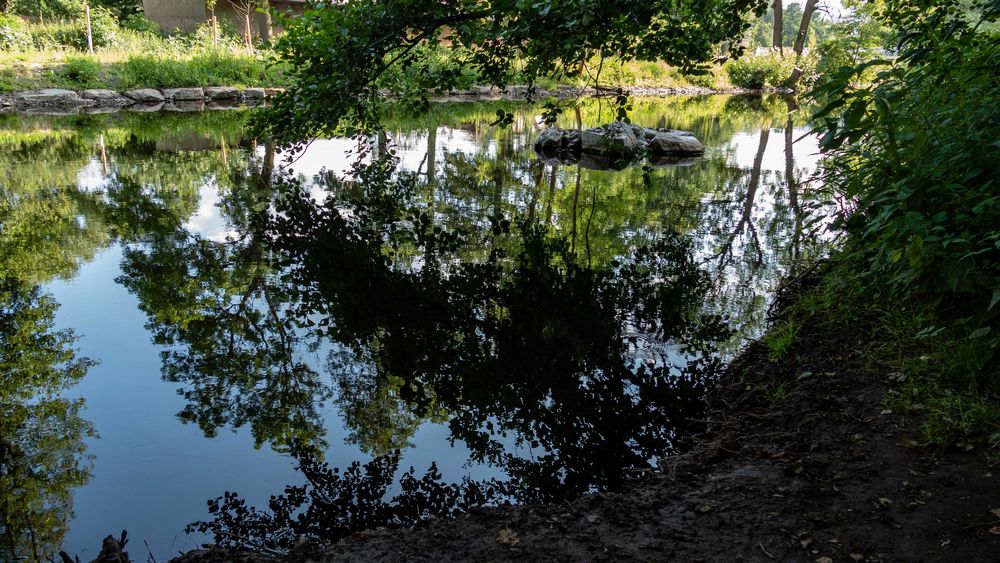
<point>803,464</point>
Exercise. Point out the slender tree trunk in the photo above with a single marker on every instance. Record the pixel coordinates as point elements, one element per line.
<point>776,34</point>
<point>4,6</point>
<point>800,40</point>
<point>247,37</point>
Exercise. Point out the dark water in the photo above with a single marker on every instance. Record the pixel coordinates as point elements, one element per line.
<point>182,309</point>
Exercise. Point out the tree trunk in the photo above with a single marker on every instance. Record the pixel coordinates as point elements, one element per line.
<point>776,35</point>
<point>800,39</point>
<point>247,35</point>
<point>4,6</point>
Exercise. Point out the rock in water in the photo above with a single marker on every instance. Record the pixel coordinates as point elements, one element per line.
<point>675,143</point>
<point>550,140</point>
<point>49,97</point>
<point>615,140</point>
<point>145,95</point>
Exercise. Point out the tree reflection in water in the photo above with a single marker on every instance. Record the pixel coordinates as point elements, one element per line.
<point>561,374</point>
<point>42,451</point>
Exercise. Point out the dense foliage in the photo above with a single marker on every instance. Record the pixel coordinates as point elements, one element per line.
<point>339,52</point>
<point>914,155</point>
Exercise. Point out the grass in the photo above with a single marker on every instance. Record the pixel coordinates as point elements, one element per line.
<point>131,58</point>
<point>779,340</point>
<point>79,71</point>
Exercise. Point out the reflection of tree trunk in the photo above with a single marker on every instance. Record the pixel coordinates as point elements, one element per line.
<point>431,183</point>
<point>552,194</point>
<point>498,183</point>
<point>267,169</point>
<point>755,173</point>
<point>576,201</point>
<point>383,144</point>
<point>800,39</point>
<point>431,154</point>
<point>539,180</point>
<point>793,193</point>
<point>222,145</point>
<point>776,33</point>
<point>746,219</point>
<point>104,155</point>
<point>590,221</point>
<point>793,188</point>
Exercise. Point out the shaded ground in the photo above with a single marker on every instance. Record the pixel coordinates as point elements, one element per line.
<point>796,469</point>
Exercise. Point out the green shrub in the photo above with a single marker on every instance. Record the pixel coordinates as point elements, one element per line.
<point>139,23</point>
<point>702,80</point>
<point>760,71</point>
<point>914,155</point>
<point>81,72</point>
<point>14,34</point>
<point>103,26</point>
<point>209,69</point>
<point>8,80</point>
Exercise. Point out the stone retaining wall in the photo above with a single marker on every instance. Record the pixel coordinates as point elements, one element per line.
<point>66,102</point>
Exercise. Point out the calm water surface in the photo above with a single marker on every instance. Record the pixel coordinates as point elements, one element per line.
<point>181,307</point>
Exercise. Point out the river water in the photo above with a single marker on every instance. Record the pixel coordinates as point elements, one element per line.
<point>183,307</point>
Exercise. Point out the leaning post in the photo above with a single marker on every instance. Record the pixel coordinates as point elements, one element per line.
<point>90,33</point>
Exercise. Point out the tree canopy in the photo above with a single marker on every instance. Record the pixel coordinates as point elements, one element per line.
<point>339,52</point>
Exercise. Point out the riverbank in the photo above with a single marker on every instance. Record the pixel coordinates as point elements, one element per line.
<point>60,101</point>
<point>802,462</point>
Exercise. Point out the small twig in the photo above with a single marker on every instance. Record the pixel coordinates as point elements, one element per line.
<point>978,524</point>
<point>252,543</point>
<point>149,551</point>
<point>769,556</point>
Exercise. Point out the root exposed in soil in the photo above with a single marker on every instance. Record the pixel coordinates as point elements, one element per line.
<point>802,464</point>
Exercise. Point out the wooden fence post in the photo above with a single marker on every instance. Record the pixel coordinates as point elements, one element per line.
<point>90,33</point>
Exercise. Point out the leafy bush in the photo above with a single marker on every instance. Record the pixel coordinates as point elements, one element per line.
<point>760,71</point>
<point>14,35</point>
<point>435,66</point>
<point>103,26</point>
<point>914,154</point>
<point>141,24</point>
<point>81,71</point>
<point>209,69</point>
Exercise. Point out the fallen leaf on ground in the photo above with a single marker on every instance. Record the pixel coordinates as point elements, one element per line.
<point>857,556</point>
<point>507,537</point>
<point>824,560</point>
<point>995,512</point>
<point>593,518</point>
<point>995,530</point>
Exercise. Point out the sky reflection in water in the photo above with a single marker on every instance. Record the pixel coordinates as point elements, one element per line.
<point>497,293</point>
